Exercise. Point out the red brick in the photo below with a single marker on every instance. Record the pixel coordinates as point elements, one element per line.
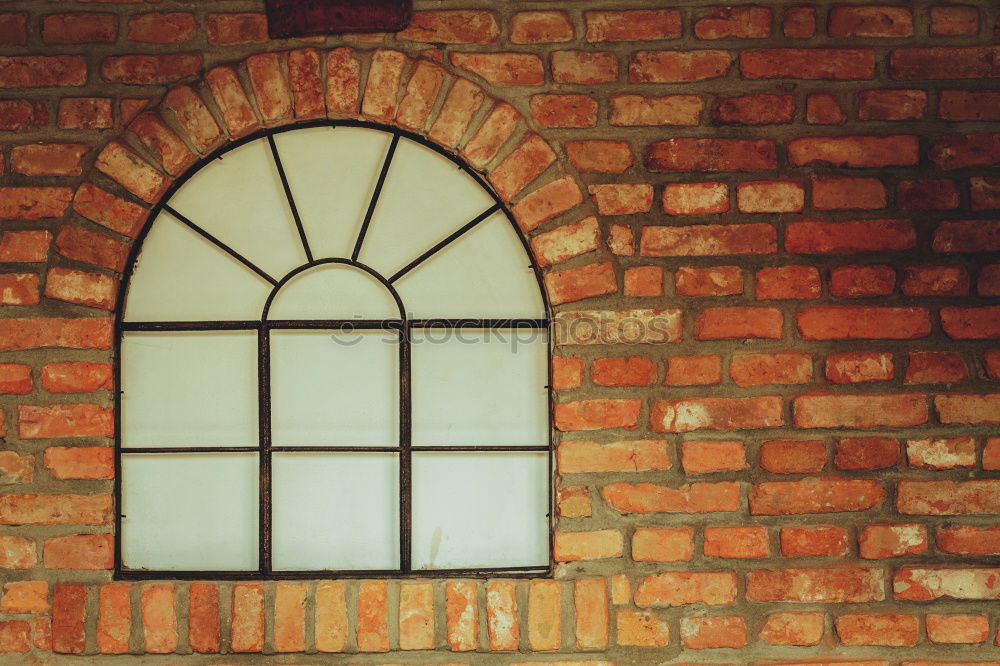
<point>461,103</point>
<point>636,110</point>
<point>462,616</point>
<point>166,28</point>
<point>90,289</point>
<point>861,281</point>
<point>713,456</point>
<point>877,542</point>
<point>770,197</point>
<point>954,21</point>
<point>830,585</point>
<point>707,240</point>
<point>926,584</point>
<point>82,420</point>
<point>159,622</point>
<point>590,601</point>
<point>883,630</point>
<point>599,156</point>
<point>684,588</point>
<point>935,368</point>
<point>814,495</point>
<point>644,281</point>
<point>991,363</point>
<point>85,551</point>
<point>699,633</point>
<point>42,72</point>
<point>270,88</point>
<point>716,281</point>
<point>94,462</point>
<point>969,540</point>
<point>519,69</point>
<point>621,242</point>
<point>966,150</point>
<point>79,28</point>
<point>635,326</point>
<point>114,618</point>
<point>972,105</point>
<point>693,370</point>
<point>970,409</point>
<point>567,373</point>
<point>971,62</point>
<point>85,113</point>
<point>677,66</point>
<point>967,236</point>
<point>21,115</point>
<point>758,109</point>
<point>717,414</point>
<point>93,248</point>
<point>15,378</point>
<point>150,69</point>
<point>203,618</point>
<point>814,541</point>
<point>948,498</point>
<point>828,64</point>
<point>625,456</point>
<point>842,193</point>
<point>502,616</point>
<point>17,553</point>
<point>926,195</point>
<point>416,617</point>
<point>622,199</point>
<point>491,135</point>
<point>941,453</point>
<point>232,100</point>
<point>632,25</point>
<point>564,110</point>
<point>866,453</point>
<point>859,367</point>
<point>985,193</point>
<point>738,322</point>
<point>734,22</point>
<point>573,502</point>
<point>824,109</point>
<point>641,629</point>
<point>737,542</point>
<point>949,629</point>
<point>891,104</point>
<point>55,509</point>
<point>48,159</point>
<point>132,172</point>
<point>459,26</point>
<point>68,615</point>
<point>544,625</point>
<point>935,281</point>
<point>194,118</point>
<point>859,411</point>
<point>15,468</point>
<point>597,415</point>
<point>663,545</point>
<point>566,241</point>
<point>163,143</point>
<point>835,322</point>
<point>576,284</point>
<point>645,498</point>
<point>33,203</point>
<point>246,632</point>
<point>710,155</point>
<point>421,93</point>
<point>971,323</point>
<point>631,371</point>
<point>788,367</point>
<point>13,28</point>
<point>854,151</point>
<point>584,67</point>
<point>129,108</point>
<point>695,198</point>
<point>790,456</point>
<point>307,87</point>
<point>540,27</point>
<point>16,333</point>
<point>787,282</point>
<point>19,289</point>
<point>874,21</point>
<point>597,545</point>
<point>522,166</point>
<point>331,617</point>
<point>240,28</point>
<point>799,22</point>
<point>793,628</point>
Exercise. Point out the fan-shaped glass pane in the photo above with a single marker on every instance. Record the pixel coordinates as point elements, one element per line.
<point>425,198</point>
<point>181,276</point>
<point>335,388</point>
<point>190,512</point>
<point>480,510</point>
<point>239,200</point>
<point>331,172</point>
<point>335,511</point>
<point>479,387</point>
<point>189,388</point>
<point>484,273</point>
<point>333,291</point>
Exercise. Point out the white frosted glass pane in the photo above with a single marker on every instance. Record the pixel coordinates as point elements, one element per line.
<point>480,510</point>
<point>335,511</point>
<point>479,387</point>
<point>484,273</point>
<point>239,200</point>
<point>425,198</point>
<point>189,388</point>
<point>333,291</point>
<point>194,512</point>
<point>332,172</point>
<point>334,389</point>
<point>180,276</point>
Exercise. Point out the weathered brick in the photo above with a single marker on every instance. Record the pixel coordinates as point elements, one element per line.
<point>859,411</point>
<point>967,236</point>
<point>708,240</point>
<point>80,462</point>
<point>114,618</point>
<point>698,633</point>
<point>79,28</point>
<point>597,415</point>
<point>644,281</point>
<point>637,110</point>
<point>33,203</point>
<point>21,115</point>
<point>788,282</point>
<point>891,104</point>
<point>270,88</point>
<point>159,620</point>
<point>596,545</point>
<point>745,22</point>
<point>501,616</point>
<point>969,540</point>
<point>519,69</point>
<point>941,453</point>
<point>844,193</point>
<point>688,415</point>
<point>663,545</point>
<point>237,28</point>
<point>150,69</point>
<point>693,498</point>
<point>18,333</point>
<point>17,552</point>
<point>540,27</point>
<point>576,284</point>
<point>700,457</point>
<point>873,21</point>
<point>584,67</point>
<point>693,370</point>
<point>814,495</point>
<point>68,616</point>
<point>948,498</point>
<point>965,150</point>
<point>599,156</point>
<point>710,155</point>
<point>858,453</point>
<point>695,198</point>
<point>926,584</point>
<point>90,289</point>
<point>954,21</point>
<point>84,551</point>
<point>969,62</point>
<point>715,281</point>
<point>827,64</point>
<point>861,281</point>
<point>737,542</point>
<point>164,28</point>
<point>681,589</point>
<point>738,322</point>
<point>459,26</point>
<point>622,199</point>
<point>859,367</point>
<point>756,109</point>
<point>491,135</point>
<point>802,629</point>
<point>632,25</point>
<point>789,367</point>
<point>677,66</point>
<point>826,585</point>
<point>799,22</point>
<point>343,82</point>
<point>564,111</point>
<point>641,629</point>
<point>835,322</point>
<point>131,171</point>
<point>544,626</point>
<point>881,630</point>
<point>793,456</point>
<point>876,542</point>
<point>854,151</point>
<point>522,166</point>
<point>814,541</point>
<point>462,616</point>
<point>971,105</point>
<point>331,617</point>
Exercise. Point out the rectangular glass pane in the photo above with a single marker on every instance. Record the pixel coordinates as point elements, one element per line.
<point>183,388</point>
<point>480,510</point>
<point>190,512</point>
<point>479,387</point>
<point>335,511</point>
<point>334,389</point>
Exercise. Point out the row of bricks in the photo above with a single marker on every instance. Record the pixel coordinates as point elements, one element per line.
<point>568,67</point>
<point>467,620</point>
<point>469,26</point>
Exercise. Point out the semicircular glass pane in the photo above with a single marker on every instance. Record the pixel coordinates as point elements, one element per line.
<point>333,291</point>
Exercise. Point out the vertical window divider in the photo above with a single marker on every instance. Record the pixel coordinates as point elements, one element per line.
<point>405,455</point>
<point>264,421</point>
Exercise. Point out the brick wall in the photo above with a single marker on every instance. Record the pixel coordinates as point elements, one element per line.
<point>798,463</point>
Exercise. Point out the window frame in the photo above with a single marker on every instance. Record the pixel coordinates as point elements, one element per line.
<point>404,326</point>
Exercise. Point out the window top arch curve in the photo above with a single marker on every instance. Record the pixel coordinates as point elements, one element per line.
<point>263,209</point>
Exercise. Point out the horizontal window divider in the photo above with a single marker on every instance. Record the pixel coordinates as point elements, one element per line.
<point>335,449</point>
<point>189,325</point>
<point>324,574</point>
<point>479,323</point>
<point>333,324</point>
<point>416,448</point>
<point>341,325</point>
<point>191,449</point>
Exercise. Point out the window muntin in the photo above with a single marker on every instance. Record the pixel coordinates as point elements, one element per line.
<point>339,487</point>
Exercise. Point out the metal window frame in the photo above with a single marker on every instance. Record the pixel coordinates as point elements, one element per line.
<point>403,326</point>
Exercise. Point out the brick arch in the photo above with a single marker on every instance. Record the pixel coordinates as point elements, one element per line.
<point>135,169</point>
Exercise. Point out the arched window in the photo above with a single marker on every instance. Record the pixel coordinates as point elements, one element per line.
<point>333,358</point>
